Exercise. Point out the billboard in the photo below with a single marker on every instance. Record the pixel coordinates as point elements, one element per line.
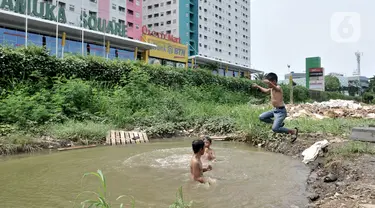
<point>311,62</point>
<point>167,49</point>
<point>316,79</point>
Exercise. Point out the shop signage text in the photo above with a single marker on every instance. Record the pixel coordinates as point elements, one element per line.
<point>316,78</point>
<point>169,37</point>
<point>167,49</point>
<point>46,11</point>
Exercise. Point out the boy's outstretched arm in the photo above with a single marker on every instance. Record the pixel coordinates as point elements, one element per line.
<point>264,90</point>
<point>275,87</point>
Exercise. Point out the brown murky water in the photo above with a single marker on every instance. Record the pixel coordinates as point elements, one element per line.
<point>152,173</point>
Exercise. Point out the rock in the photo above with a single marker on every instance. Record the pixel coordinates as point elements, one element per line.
<point>330,178</point>
<point>354,196</point>
<point>340,184</point>
<point>313,197</point>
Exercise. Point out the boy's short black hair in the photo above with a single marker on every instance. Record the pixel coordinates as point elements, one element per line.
<point>272,77</point>
<point>208,139</point>
<point>197,145</point>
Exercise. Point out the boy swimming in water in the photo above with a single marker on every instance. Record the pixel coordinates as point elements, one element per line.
<point>209,154</point>
<point>196,168</point>
<point>279,112</point>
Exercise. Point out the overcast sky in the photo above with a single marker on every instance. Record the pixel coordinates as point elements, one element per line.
<point>287,31</point>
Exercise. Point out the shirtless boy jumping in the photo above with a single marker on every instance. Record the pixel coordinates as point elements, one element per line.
<point>279,112</point>
<point>196,168</point>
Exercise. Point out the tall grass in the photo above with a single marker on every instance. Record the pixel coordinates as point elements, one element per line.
<point>101,197</point>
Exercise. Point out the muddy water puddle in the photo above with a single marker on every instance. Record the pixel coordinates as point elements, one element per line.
<point>152,173</point>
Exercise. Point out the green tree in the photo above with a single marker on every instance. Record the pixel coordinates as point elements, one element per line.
<point>371,87</point>
<point>332,83</point>
<point>260,76</point>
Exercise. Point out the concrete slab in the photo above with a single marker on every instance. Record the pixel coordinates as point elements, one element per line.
<point>365,134</point>
<point>367,205</point>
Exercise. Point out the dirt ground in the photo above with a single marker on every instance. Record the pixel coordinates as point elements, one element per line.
<point>334,181</point>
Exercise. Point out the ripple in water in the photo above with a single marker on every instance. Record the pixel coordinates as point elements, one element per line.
<point>176,158</point>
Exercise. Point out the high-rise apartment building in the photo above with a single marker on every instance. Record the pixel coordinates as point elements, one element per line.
<point>217,30</point>
<point>90,27</point>
<point>127,12</point>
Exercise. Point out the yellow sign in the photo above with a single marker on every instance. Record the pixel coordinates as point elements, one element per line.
<point>167,49</point>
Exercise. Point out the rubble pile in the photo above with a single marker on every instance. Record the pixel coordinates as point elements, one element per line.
<point>331,109</point>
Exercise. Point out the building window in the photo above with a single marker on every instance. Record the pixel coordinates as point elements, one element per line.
<point>174,21</point>
<point>161,4</point>
<point>137,27</point>
<point>130,12</point>
<point>174,1</point>
<point>169,22</point>
<point>174,11</point>
<point>169,12</point>
<point>137,2</point>
<point>71,7</point>
<point>130,24</point>
<point>168,32</point>
<point>156,24</point>
<point>137,14</point>
<point>156,6</point>
<point>93,1</point>
<point>121,21</point>
<point>150,16</point>
<point>149,25</point>
<point>149,7</point>
<point>121,9</point>
<point>168,3</point>
<point>156,15</point>
<point>162,14</point>
<point>131,1</point>
<point>114,6</point>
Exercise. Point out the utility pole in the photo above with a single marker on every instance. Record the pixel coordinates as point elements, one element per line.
<point>357,72</point>
<point>290,84</point>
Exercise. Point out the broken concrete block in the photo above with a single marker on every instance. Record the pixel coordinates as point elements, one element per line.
<point>364,134</point>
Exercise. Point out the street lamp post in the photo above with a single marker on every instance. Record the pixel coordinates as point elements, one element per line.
<point>290,84</point>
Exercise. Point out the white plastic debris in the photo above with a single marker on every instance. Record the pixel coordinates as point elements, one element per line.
<point>312,152</point>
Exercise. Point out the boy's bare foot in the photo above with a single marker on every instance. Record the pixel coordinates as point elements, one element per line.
<point>294,135</point>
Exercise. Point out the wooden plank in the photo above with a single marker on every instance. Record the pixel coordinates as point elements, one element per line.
<point>132,135</point>
<point>145,137</point>
<point>76,147</point>
<point>122,137</point>
<point>108,138</point>
<point>118,138</point>
<point>127,138</point>
<point>137,137</point>
<point>113,136</point>
<point>141,138</point>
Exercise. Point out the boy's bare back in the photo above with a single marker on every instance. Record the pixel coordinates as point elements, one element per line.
<point>196,169</point>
